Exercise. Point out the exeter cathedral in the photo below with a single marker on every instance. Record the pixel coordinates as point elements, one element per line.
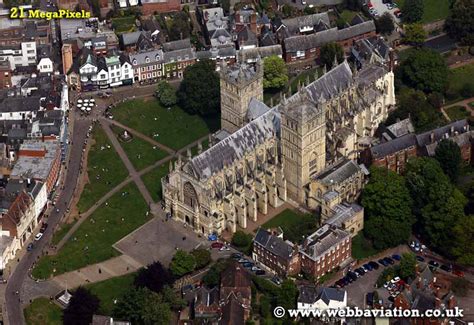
<point>304,149</point>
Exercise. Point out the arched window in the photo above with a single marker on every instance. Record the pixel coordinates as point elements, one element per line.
<point>147,59</point>
<point>190,195</point>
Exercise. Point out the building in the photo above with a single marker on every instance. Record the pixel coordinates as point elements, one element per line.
<point>66,52</point>
<point>322,298</point>
<point>39,161</point>
<point>277,255</point>
<point>325,250</point>
<point>19,55</point>
<point>147,66</point>
<point>371,50</point>
<point>235,295</point>
<point>149,7</point>
<point>348,217</point>
<point>263,155</point>
<point>5,74</point>
<point>206,304</point>
<point>107,320</point>
<point>395,153</point>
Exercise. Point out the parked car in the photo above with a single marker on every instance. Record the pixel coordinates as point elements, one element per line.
<point>30,247</point>
<point>389,6</point>
<point>396,257</point>
<point>346,280</point>
<point>368,267</point>
<point>433,263</point>
<point>369,298</point>
<point>447,268</point>
<point>361,270</point>
<point>217,245</point>
<point>39,236</point>
<point>458,273</point>
<point>395,279</point>
<point>242,260</point>
<point>340,283</point>
<point>44,226</point>
<point>276,280</point>
<point>248,265</point>
<point>389,260</point>
<point>420,258</point>
<point>352,275</point>
<point>383,262</point>
<point>397,13</point>
<point>224,248</point>
<point>260,272</point>
<point>374,265</point>
<point>236,256</point>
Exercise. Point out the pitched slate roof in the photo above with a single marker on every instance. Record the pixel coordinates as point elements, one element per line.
<point>331,294</point>
<point>256,108</point>
<point>233,312</point>
<point>324,239</point>
<point>392,146</point>
<point>154,56</point>
<point>338,172</point>
<point>235,146</point>
<point>262,52</point>
<point>274,244</point>
<point>424,139</point>
<point>177,45</point>
<point>332,83</point>
<point>294,24</point>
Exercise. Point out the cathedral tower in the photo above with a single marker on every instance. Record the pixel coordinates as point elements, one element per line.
<point>303,141</point>
<point>239,84</point>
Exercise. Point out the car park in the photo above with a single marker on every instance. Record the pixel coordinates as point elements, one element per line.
<point>374,265</point>
<point>39,236</point>
<point>368,267</point>
<point>420,258</point>
<point>217,245</point>
<point>260,272</point>
<point>447,268</point>
<point>389,260</point>
<point>396,257</point>
<point>383,262</point>
<point>433,263</point>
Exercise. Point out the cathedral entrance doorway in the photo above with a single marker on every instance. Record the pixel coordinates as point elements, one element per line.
<point>188,221</point>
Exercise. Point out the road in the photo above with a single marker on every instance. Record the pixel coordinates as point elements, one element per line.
<point>20,274</point>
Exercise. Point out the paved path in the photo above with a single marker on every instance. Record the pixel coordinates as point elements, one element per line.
<point>464,103</point>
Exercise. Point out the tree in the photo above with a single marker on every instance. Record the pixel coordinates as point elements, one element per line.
<point>225,5</point>
<point>182,263</point>
<point>275,72</point>
<point>438,205</point>
<point>166,94</point>
<point>407,266</point>
<point>448,154</point>
<point>142,306</point>
<point>354,5</point>
<point>202,257</point>
<point>460,287</point>
<point>287,10</point>
<point>154,277</point>
<point>310,10</point>
<point>424,69</point>
<point>172,299</point>
<point>287,294</point>
<point>412,11</point>
<point>329,51</point>
<point>82,306</point>
<point>180,27</point>
<point>199,91</point>
<point>414,34</point>
<point>463,246</point>
<point>242,241</point>
<point>265,306</point>
<point>459,23</point>
<point>387,207</point>
<point>385,24</point>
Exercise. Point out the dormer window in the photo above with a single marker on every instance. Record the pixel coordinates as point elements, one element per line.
<point>179,58</point>
<point>157,57</point>
<point>134,62</point>
<point>147,60</point>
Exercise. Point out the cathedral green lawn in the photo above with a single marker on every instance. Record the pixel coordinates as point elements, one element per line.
<point>152,180</point>
<point>362,247</point>
<point>457,112</point>
<point>93,240</point>
<point>61,232</point>
<point>459,77</point>
<point>295,225</point>
<point>109,290</point>
<point>174,127</point>
<point>140,152</point>
<point>105,170</point>
<point>42,311</point>
<point>433,9</point>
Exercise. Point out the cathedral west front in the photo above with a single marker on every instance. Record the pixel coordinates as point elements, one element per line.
<point>304,149</point>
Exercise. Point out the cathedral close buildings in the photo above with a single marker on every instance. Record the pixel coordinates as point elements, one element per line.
<point>302,149</point>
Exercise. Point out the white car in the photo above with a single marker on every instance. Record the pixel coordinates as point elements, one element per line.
<point>39,236</point>
<point>395,279</point>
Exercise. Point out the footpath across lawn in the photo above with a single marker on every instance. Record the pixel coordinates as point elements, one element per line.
<point>172,127</point>
<point>140,152</point>
<point>92,242</point>
<point>42,311</point>
<point>152,180</point>
<point>105,170</point>
<point>433,9</point>
<point>112,289</point>
<point>295,225</point>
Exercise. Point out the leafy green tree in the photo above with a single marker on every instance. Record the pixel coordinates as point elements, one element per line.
<point>182,263</point>
<point>463,246</point>
<point>328,52</point>
<point>424,69</point>
<point>287,294</point>
<point>172,299</point>
<point>460,287</point>
<point>202,257</point>
<point>460,22</point>
<point>179,26</point>
<point>414,34</point>
<point>166,94</point>
<point>211,278</point>
<point>154,277</point>
<point>310,10</point>
<point>82,306</point>
<point>199,91</point>
<point>407,266</point>
<point>387,274</point>
<point>448,154</point>
<point>385,24</point>
<point>412,11</point>
<point>242,241</point>
<point>275,72</point>
<point>387,207</point>
<point>264,306</point>
<point>143,306</point>
<point>287,10</point>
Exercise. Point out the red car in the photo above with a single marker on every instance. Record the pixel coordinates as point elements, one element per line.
<point>458,273</point>
<point>369,4</point>
<point>217,245</point>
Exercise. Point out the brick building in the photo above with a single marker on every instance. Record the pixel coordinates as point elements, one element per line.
<point>394,154</point>
<point>235,295</point>
<point>149,7</point>
<point>274,253</point>
<point>5,74</point>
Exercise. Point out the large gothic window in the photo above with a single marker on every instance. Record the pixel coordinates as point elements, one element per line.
<point>190,195</point>
<point>313,163</point>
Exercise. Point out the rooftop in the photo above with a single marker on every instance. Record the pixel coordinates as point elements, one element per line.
<point>36,167</point>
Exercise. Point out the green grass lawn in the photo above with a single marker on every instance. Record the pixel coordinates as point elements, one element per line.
<point>295,225</point>
<point>109,290</point>
<point>457,113</point>
<point>362,247</point>
<point>104,168</point>
<point>93,240</point>
<point>174,128</point>
<point>124,24</point>
<point>140,152</point>
<point>152,180</point>
<point>348,15</point>
<point>303,77</point>
<point>459,77</point>
<point>433,9</point>
<point>61,232</point>
<point>43,312</point>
